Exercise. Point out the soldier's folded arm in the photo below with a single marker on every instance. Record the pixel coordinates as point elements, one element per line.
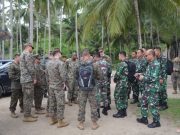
<point>30,66</point>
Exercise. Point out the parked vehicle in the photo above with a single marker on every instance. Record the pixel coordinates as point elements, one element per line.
<point>5,82</point>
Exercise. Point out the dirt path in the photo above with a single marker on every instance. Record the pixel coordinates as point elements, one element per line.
<point>109,125</point>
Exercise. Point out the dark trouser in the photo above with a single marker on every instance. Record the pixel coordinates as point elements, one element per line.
<point>15,95</point>
<point>38,97</point>
<point>28,96</point>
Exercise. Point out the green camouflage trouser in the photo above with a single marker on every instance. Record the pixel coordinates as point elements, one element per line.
<point>38,97</point>
<point>163,93</point>
<point>72,89</point>
<point>83,97</point>
<point>15,95</point>
<point>121,96</point>
<point>101,94</point>
<point>56,103</point>
<point>150,99</point>
<point>28,96</point>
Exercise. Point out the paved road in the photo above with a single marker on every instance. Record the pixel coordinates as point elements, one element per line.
<point>109,125</point>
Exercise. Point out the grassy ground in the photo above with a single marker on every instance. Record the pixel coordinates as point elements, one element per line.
<point>173,112</point>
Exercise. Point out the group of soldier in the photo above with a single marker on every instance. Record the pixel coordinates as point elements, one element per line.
<point>88,77</point>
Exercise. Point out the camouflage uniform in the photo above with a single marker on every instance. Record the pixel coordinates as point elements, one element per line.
<point>103,83</point>
<point>163,87</point>
<point>141,68</point>
<point>27,78</point>
<point>121,80</point>
<point>108,59</point>
<point>72,83</point>
<point>38,88</point>
<point>16,89</point>
<point>57,77</point>
<point>176,74</point>
<point>134,85</point>
<point>90,95</point>
<point>150,94</point>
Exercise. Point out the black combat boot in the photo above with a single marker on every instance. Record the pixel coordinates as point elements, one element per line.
<point>104,111</point>
<point>108,107</point>
<point>125,112</point>
<point>142,120</point>
<point>163,107</point>
<point>154,124</point>
<point>98,111</point>
<point>119,114</point>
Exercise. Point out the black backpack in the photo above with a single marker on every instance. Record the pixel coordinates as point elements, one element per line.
<point>169,66</point>
<point>131,71</point>
<point>85,77</point>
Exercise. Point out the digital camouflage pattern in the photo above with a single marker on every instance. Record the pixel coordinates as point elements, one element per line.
<point>103,82</point>
<point>176,73</point>
<point>27,67</point>
<point>27,77</point>
<point>141,68</point>
<point>150,94</point>
<point>163,75</point>
<point>89,95</point>
<point>134,85</point>
<point>16,89</point>
<point>38,88</point>
<point>57,77</point>
<point>121,80</point>
<point>72,82</point>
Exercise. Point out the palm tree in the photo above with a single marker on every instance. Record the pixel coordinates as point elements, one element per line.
<point>31,21</point>
<point>11,29</point>
<point>49,26</point>
<point>3,26</point>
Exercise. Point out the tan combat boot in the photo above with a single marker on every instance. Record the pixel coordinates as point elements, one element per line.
<point>62,123</point>
<point>39,112</point>
<point>14,115</point>
<point>29,119</point>
<point>70,103</point>
<point>34,116</point>
<point>81,126</point>
<point>52,121</point>
<point>95,126</point>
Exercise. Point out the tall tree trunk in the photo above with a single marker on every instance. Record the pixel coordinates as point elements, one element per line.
<point>31,22</point>
<point>49,26</point>
<point>102,42</point>
<point>76,30</point>
<point>11,29</point>
<point>135,2</point>
<point>151,32</point>
<point>145,42</point>
<point>60,29</point>
<point>37,36</point>
<point>17,38</point>
<point>158,36</point>
<point>44,47</point>
<point>20,33</point>
<point>3,17</point>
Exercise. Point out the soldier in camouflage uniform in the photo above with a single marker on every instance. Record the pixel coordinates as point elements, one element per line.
<point>72,65</point>
<point>175,77</point>
<point>162,79</point>
<point>102,83</point>
<point>108,59</point>
<point>150,94</point>
<point>28,79</point>
<point>90,95</point>
<point>16,89</point>
<point>38,88</point>
<point>121,93</point>
<point>57,77</point>
<point>141,68</point>
<point>134,85</point>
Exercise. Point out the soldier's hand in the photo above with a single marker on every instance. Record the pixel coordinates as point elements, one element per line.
<point>161,81</point>
<point>141,77</point>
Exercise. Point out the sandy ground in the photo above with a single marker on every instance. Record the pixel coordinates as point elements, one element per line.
<point>108,124</point>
